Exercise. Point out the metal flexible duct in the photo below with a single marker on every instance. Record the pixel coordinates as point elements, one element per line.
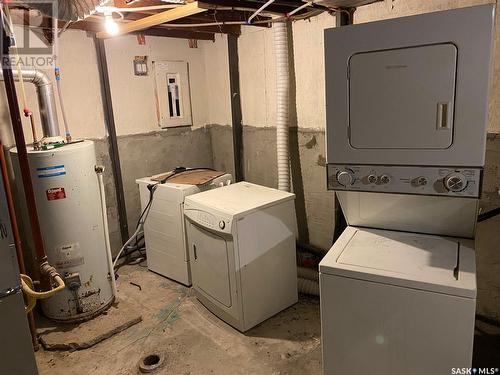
<point>68,10</point>
<point>46,102</point>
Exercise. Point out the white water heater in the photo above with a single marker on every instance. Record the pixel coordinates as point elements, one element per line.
<point>70,215</point>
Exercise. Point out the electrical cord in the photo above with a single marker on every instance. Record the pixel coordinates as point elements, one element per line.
<point>179,170</point>
<point>142,219</point>
<point>144,215</point>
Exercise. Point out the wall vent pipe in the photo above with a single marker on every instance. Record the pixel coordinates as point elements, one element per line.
<point>46,102</point>
<point>282,103</point>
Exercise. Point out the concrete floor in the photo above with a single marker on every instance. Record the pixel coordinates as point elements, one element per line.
<point>192,339</point>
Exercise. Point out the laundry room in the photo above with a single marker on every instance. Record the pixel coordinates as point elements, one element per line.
<point>250,187</point>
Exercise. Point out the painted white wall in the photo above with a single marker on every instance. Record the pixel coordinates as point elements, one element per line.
<point>257,73</point>
<point>80,86</point>
<point>134,102</point>
<point>133,96</point>
<point>217,78</point>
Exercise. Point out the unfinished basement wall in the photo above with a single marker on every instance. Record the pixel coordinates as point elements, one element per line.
<point>257,80</point>
<point>145,149</point>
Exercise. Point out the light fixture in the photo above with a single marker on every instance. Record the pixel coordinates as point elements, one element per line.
<point>110,25</point>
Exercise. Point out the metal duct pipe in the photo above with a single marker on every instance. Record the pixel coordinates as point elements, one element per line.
<point>46,101</point>
<point>68,10</point>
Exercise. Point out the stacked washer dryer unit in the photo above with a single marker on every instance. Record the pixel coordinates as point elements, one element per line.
<point>407,108</point>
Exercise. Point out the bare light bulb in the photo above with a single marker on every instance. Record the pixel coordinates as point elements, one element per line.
<point>111,26</point>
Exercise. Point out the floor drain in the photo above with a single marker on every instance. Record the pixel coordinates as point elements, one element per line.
<point>150,363</point>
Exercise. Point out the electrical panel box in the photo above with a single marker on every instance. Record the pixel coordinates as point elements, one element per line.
<point>172,93</point>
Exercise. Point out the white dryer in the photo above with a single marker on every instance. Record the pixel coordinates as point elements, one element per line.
<point>164,230</point>
<point>389,299</point>
<point>241,241</point>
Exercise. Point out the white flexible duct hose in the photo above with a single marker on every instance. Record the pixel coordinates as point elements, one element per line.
<point>282,103</point>
<point>306,286</point>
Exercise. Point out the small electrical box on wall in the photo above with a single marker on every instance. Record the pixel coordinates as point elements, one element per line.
<point>172,93</point>
<point>141,65</point>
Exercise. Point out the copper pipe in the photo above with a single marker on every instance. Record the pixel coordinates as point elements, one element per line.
<point>17,237</point>
<point>15,117</point>
<point>33,130</point>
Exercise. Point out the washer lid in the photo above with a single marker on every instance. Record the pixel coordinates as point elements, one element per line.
<point>432,263</point>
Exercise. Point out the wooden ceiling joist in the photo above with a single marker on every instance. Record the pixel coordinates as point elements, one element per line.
<point>157,19</point>
<point>153,31</point>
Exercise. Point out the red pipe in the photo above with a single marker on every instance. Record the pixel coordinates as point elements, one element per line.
<point>12,213</point>
<point>15,117</point>
<point>17,237</point>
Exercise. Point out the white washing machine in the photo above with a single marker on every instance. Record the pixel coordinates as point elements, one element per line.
<point>389,299</point>
<point>407,110</point>
<point>241,241</point>
<point>164,230</point>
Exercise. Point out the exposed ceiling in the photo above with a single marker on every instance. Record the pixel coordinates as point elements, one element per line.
<point>207,18</point>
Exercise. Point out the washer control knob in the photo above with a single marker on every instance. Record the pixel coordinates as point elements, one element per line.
<point>222,224</point>
<point>421,181</point>
<point>385,179</point>
<point>372,178</point>
<point>455,182</point>
<point>345,178</point>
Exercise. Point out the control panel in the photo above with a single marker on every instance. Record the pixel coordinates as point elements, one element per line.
<point>208,220</point>
<point>463,182</point>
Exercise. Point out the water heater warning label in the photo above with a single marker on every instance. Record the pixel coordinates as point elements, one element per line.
<point>68,255</point>
<point>56,193</point>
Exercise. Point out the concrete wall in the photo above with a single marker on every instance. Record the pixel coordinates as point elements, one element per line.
<point>145,155</point>
<point>258,87</point>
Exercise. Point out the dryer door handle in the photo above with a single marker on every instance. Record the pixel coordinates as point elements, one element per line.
<point>195,253</point>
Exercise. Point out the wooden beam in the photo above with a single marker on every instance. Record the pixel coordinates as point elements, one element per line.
<point>223,29</point>
<point>156,19</point>
<point>96,27</point>
<point>183,34</point>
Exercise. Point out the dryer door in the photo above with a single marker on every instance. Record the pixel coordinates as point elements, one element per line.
<point>210,264</point>
<point>403,98</point>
